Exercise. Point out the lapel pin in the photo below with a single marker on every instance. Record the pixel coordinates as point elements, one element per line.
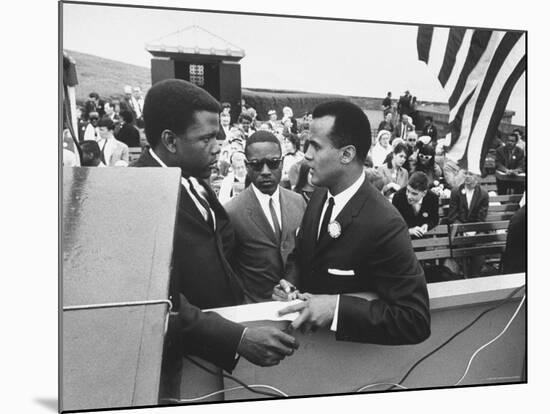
<point>425,214</point>
<point>334,229</point>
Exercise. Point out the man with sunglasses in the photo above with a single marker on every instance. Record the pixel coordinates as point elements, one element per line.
<point>181,124</point>
<point>265,217</point>
<point>352,240</point>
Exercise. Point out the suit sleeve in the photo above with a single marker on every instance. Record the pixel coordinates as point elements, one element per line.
<point>401,313</point>
<point>204,334</point>
<point>452,215</point>
<point>483,207</point>
<point>433,213</point>
<point>500,163</point>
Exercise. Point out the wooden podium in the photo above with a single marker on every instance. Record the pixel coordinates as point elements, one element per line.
<point>118,228</point>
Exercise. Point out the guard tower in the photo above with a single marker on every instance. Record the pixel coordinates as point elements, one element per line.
<point>196,55</point>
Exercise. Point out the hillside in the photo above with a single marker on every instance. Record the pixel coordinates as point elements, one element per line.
<point>108,77</point>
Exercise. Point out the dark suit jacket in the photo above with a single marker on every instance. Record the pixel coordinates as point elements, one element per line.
<point>374,245</point>
<point>201,278</point>
<point>431,131</point>
<point>129,134</point>
<point>514,259</point>
<point>458,206</point>
<point>429,210</point>
<point>509,159</point>
<point>258,260</point>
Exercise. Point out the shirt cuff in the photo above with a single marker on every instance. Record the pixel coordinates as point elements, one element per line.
<point>334,324</point>
<point>242,336</point>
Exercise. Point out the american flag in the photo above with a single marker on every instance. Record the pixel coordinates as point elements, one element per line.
<point>478,69</point>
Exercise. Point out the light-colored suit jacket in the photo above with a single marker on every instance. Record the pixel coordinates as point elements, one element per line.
<point>258,260</point>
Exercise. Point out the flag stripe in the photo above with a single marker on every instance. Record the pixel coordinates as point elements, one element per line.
<point>437,49</point>
<point>496,116</point>
<point>453,44</point>
<point>501,54</point>
<point>456,124</point>
<point>423,42</point>
<point>478,45</point>
<point>485,122</point>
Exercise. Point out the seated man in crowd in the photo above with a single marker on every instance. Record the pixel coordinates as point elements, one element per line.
<point>90,131</point>
<point>112,150</point>
<point>403,127</point>
<point>418,206</point>
<point>469,202</point>
<point>510,166</point>
<point>265,217</point>
<point>245,122</point>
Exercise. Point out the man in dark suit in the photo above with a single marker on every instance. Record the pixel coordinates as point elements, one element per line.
<point>181,124</point>
<point>430,129</point>
<point>510,166</point>
<point>469,202</point>
<point>402,129</point>
<point>352,240</point>
<point>404,104</point>
<point>265,217</point>
<point>418,206</point>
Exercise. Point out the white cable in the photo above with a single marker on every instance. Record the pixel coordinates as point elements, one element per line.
<point>381,383</point>
<point>491,341</point>
<point>203,397</point>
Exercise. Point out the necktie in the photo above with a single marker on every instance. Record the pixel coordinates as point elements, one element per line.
<point>275,221</point>
<point>203,202</point>
<point>326,217</point>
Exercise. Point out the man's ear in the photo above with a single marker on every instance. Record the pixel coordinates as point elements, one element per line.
<point>168,140</point>
<point>348,154</point>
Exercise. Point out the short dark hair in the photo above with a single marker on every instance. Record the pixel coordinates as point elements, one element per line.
<point>244,116</point>
<point>90,146</point>
<point>351,125</point>
<point>429,118</point>
<point>261,136</point>
<point>171,104</point>
<point>106,122</point>
<point>419,181</point>
<point>93,95</point>
<point>226,105</point>
<point>127,116</point>
<point>399,148</point>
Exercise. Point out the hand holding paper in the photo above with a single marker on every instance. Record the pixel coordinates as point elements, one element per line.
<point>317,311</point>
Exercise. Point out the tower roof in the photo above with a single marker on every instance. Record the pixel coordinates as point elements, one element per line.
<point>194,40</point>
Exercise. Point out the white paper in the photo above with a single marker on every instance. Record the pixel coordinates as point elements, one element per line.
<point>264,311</point>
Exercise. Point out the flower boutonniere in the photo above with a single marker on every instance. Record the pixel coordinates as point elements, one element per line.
<point>463,191</point>
<point>425,214</point>
<point>334,229</point>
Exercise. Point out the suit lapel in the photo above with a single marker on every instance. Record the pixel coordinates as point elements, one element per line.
<point>475,198</point>
<point>257,215</point>
<point>285,215</point>
<point>345,217</point>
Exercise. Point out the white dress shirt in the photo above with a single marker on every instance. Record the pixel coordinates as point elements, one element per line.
<point>340,201</point>
<point>469,195</point>
<point>264,203</point>
<point>196,185</point>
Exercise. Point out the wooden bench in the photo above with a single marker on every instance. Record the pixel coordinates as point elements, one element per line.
<point>489,240</point>
<point>488,183</point>
<point>434,245</point>
<point>500,207</point>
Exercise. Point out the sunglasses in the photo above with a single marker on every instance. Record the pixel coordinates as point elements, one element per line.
<point>258,165</point>
<point>425,157</point>
<point>411,139</point>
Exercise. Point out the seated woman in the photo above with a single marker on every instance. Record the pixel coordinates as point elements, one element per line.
<point>292,155</point>
<point>234,182</point>
<point>304,187</point>
<point>382,148</point>
<point>418,206</point>
<point>394,175</point>
<point>425,162</point>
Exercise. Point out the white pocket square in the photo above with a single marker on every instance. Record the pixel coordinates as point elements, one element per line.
<point>339,272</point>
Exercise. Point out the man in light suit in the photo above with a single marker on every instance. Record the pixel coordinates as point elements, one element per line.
<point>181,123</point>
<point>265,217</point>
<point>353,240</point>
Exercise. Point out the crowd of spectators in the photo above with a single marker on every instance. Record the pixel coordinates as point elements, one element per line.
<point>407,164</point>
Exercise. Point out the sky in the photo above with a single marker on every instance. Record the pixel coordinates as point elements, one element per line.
<point>349,58</point>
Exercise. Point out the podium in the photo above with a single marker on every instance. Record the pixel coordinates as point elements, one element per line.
<point>117,234</point>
